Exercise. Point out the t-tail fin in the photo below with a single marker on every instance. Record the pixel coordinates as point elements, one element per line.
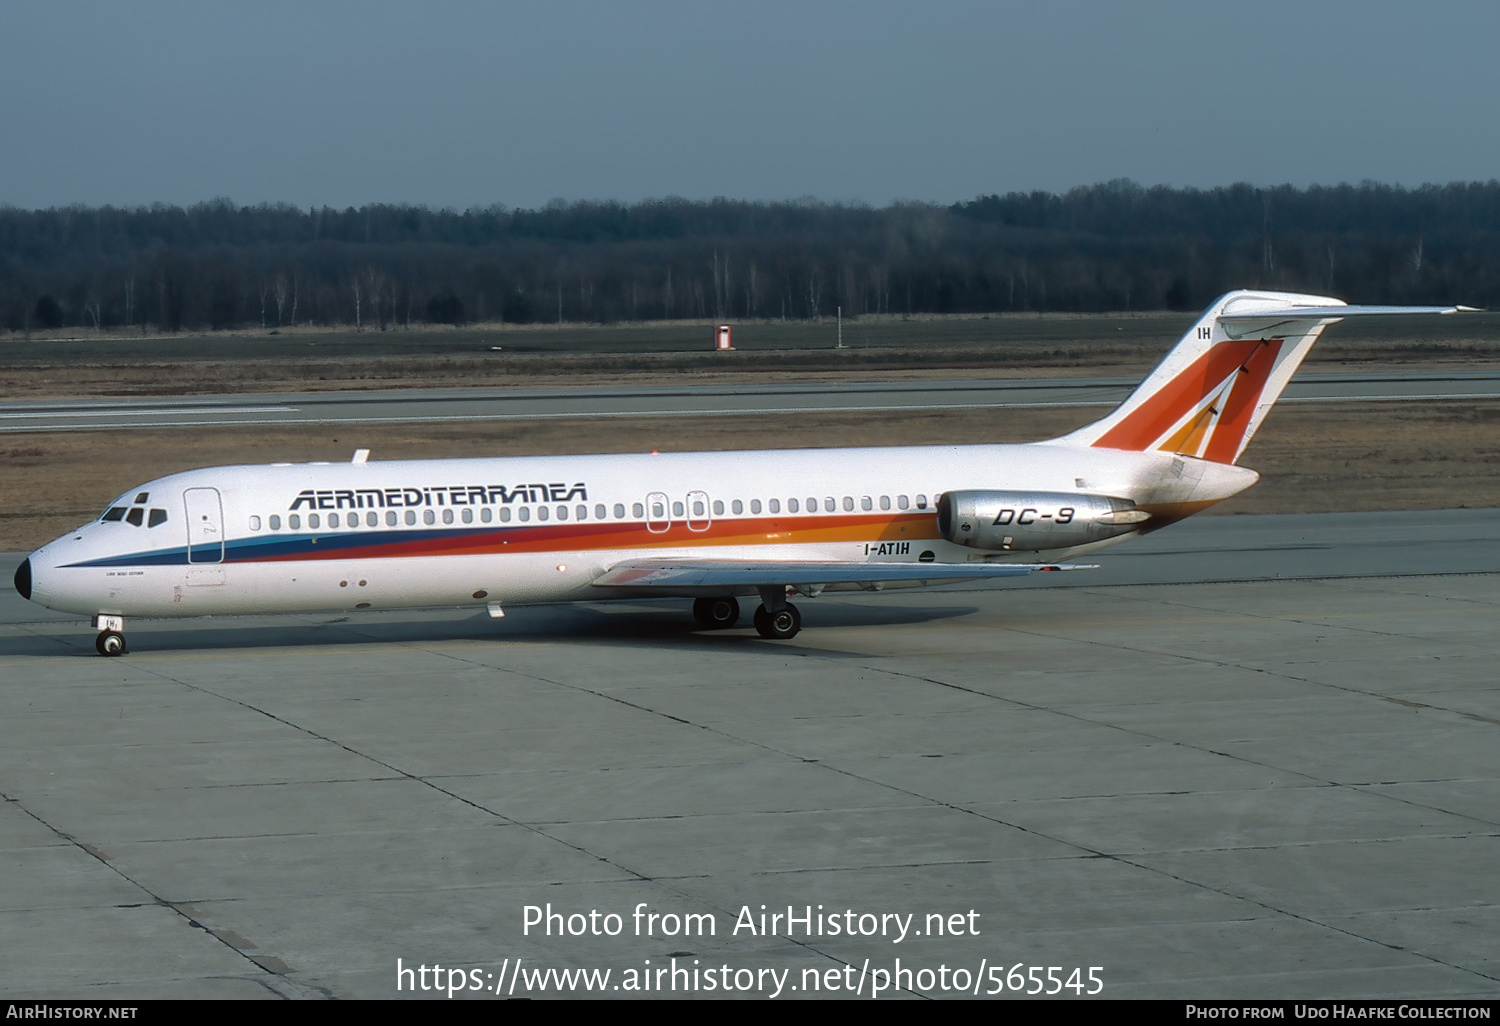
<point>1210,394</point>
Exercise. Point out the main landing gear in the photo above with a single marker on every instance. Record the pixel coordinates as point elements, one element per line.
<point>714,614</point>
<point>776,619</point>
<point>780,625</point>
<point>111,639</point>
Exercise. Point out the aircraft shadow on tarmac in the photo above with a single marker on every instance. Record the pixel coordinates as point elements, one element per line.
<point>638,622</point>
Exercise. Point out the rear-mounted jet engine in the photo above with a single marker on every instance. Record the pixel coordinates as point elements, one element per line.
<point>1033,521</point>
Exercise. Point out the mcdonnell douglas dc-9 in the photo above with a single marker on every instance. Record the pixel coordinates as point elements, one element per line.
<point>712,527</point>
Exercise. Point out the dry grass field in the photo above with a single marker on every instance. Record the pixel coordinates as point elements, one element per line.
<point>511,356</point>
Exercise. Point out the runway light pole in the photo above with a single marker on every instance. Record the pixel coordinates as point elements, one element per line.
<point>841,328</point>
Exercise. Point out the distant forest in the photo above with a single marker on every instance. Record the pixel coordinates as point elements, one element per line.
<point>1110,247</point>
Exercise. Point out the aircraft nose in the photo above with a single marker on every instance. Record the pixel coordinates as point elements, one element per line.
<point>23,578</point>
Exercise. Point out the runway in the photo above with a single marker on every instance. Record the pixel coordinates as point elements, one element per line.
<point>1249,757</point>
<point>538,404</point>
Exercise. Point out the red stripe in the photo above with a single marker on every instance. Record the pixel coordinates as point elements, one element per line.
<point>1170,403</point>
<point>1234,420</point>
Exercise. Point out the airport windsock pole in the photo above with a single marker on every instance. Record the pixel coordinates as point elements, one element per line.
<point>841,329</point>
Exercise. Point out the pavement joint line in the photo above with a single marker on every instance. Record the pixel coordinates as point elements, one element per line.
<point>532,828</point>
<point>1345,931</point>
<point>1132,859</point>
<point>157,901</point>
<point>489,667</point>
<point>1386,634</point>
<point>1084,849</point>
<point>823,764</point>
<point>1359,786</point>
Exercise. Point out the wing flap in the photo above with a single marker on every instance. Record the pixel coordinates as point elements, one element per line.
<point>693,573</point>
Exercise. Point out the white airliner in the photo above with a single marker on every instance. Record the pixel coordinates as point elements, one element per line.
<point>707,526</point>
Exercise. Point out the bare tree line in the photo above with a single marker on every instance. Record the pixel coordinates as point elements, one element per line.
<point>1114,246</point>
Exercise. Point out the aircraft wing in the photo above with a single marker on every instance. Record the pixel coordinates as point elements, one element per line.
<point>683,574</point>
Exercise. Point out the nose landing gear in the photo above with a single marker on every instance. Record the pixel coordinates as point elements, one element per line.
<point>111,639</point>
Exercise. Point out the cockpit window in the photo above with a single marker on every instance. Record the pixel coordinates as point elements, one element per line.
<point>113,514</point>
<point>134,517</point>
<point>158,516</point>
<point>142,497</point>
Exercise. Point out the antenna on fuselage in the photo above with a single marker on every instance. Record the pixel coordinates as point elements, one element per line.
<point>360,456</point>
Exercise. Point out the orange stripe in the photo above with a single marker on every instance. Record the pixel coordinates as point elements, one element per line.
<point>1154,417</point>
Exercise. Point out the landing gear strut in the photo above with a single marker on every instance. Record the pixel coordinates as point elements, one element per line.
<point>715,614</point>
<point>111,639</point>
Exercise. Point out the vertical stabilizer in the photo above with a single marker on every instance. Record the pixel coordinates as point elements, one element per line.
<point>1213,390</point>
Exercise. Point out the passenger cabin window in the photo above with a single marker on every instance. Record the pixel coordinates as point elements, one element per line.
<point>275,523</point>
<point>885,502</point>
<point>902,501</point>
<point>505,514</point>
<point>791,506</point>
<point>294,522</point>
<point>468,515</point>
<point>737,507</point>
<point>865,503</point>
<point>774,506</point>
<point>754,505</point>
<point>921,502</point>
<point>486,515</point>
<point>254,523</point>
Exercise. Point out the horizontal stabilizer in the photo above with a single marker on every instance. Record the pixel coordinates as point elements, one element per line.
<point>687,574</point>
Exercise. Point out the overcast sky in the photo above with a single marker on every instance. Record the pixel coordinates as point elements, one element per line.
<point>473,103</point>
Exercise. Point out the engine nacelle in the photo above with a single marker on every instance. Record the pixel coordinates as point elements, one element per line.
<point>1033,521</point>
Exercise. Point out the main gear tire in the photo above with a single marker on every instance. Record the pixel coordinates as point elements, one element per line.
<point>717,613</point>
<point>781,625</point>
